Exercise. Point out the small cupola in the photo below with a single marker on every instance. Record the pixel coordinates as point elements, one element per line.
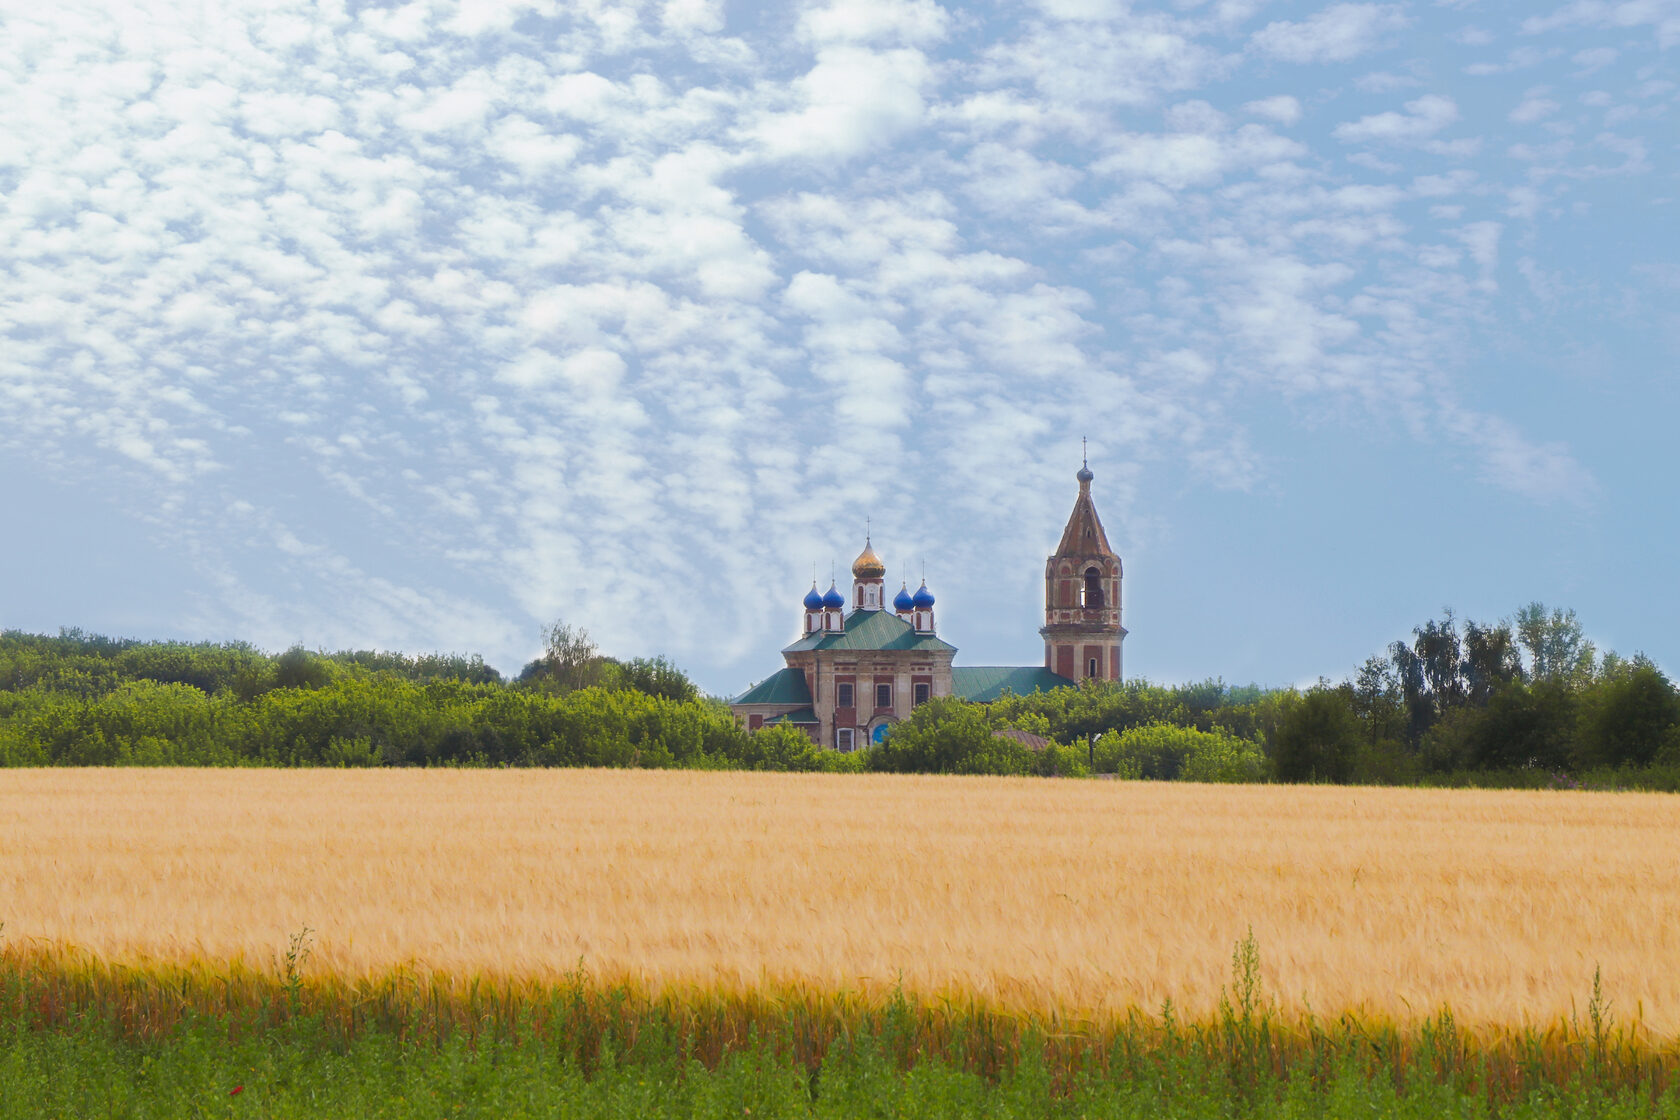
<point>869,580</point>
<point>868,565</point>
<point>813,609</point>
<point>921,615</point>
<point>904,602</point>
<point>833,609</point>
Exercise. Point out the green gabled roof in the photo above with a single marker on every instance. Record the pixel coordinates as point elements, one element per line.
<point>785,686</point>
<point>985,683</point>
<point>802,715</point>
<point>871,630</point>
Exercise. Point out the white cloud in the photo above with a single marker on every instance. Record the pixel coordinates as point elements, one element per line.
<point>692,16</point>
<point>1281,109</point>
<point>1336,34</point>
<point>1079,66</point>
<point>1595,58</point>
<point>1179,160</point>
<point>1533,108</point>
<point>1422,119</point>
<point>1658,14</point>
<point>851,102</point>
<point>1542,472</point>
<point>918,22</point>
<point>1482,239</point>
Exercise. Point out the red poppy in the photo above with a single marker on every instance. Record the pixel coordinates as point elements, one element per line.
<point>236,1090</point>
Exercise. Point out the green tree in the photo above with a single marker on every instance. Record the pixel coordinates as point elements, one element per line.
<point>1524,726</point>
<point>1626,717</point>
<point>1167,752</point>
<point>570,660</point>
<point>1319,739</point>
<point>947,735</point>
<point>298,668</point>
<point>1492,660</point>
<point>656,676</point>
<point>1557,649</point>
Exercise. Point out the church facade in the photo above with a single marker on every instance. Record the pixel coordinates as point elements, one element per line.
<point>864,662</point>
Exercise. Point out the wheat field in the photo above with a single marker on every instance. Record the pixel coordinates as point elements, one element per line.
<point>1081,898</point>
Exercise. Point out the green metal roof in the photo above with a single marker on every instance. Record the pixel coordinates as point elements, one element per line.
<point>871,630</point>
<point>802,715</point>
<point>985,683</point>
<point>785,686</point>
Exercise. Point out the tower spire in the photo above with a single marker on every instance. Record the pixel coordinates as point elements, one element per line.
<point>1082,631</point>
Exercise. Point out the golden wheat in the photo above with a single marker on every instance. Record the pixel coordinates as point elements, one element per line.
<point>1083,898</point>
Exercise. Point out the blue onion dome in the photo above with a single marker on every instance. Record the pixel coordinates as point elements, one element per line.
<point>902,601</point>
<point>813,598</point>
<point>833,598</point>
<point>923,598</point>
<point>1085,474</point>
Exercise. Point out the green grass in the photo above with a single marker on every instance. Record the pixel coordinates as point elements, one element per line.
<point>203,1068</point>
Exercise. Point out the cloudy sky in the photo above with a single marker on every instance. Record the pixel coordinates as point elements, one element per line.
<point>421,326</point>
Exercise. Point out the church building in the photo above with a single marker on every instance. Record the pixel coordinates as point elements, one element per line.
<point>863,663</point>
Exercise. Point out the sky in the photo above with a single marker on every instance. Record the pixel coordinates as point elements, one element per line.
<point>420,327</point>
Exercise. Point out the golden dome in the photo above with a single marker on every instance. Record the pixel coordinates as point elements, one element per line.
<point>868,565</point>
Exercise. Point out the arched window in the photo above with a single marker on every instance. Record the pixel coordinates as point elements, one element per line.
<point>1092,593</point>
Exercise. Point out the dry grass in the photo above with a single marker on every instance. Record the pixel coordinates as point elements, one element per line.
<point>1080,897</point>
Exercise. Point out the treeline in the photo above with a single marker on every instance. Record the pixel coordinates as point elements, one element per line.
<point>86,700</point>
<point>1528,697</point>
<point>1526,701</point>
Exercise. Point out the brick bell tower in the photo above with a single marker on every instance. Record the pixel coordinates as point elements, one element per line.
<point>1082,632</point>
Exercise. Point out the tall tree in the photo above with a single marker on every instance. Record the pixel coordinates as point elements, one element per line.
<point>1557,650</point>
<point>1440,654</point>
<point>571,657</point>
<point>1491,660</point>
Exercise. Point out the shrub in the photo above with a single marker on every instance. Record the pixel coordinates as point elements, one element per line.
<point>1164,752</point>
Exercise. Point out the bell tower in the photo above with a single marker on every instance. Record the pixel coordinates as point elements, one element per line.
<point>1082,632</point>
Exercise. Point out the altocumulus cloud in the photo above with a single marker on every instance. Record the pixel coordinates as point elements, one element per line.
<point>421,325</point>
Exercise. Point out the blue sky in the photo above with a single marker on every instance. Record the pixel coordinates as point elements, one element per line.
<point>419,327</point>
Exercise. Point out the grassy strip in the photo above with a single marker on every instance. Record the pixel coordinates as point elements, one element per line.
<point>203,1067</point>
<point>591,1028</point>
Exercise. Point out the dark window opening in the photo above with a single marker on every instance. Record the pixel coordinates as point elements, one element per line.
<point>1092,595</point>
<point>1091,667</point>
<point>844,699</point>
<point>883,696</point>
<point>844,738</point>
<point>922,691</point>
